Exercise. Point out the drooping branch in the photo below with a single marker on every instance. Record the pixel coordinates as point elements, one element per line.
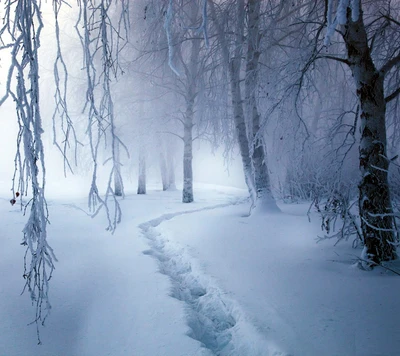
<point>100,40</point>
<point>21,33</point>
<point>61,112</point>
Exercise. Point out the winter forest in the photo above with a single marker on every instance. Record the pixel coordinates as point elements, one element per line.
<point>199,177</point>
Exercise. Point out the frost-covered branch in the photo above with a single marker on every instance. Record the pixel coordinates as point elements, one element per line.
<point>167,27</point>
<point>21,33</point>
<point>61,112</point>
<point>101,42</point>
<point>341,16</point>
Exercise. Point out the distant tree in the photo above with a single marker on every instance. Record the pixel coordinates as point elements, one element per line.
<point>179,45</point>
<point>142,172</point>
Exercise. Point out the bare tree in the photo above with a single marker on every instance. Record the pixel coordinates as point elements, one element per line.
<point>233,64</point>
<point>246,43</point>
<point>363,29</point>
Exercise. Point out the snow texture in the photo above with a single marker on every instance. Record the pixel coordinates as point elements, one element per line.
<point>211,281</point>
<point>213,318</point>
<point>341,16</point>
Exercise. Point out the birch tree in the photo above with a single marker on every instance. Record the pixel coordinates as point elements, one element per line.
<point>246,43</point>
<point>372,67</point>
<point>233,64</point>
<point>179,47</point>
<point>377,219</point>
<point>265,199</point>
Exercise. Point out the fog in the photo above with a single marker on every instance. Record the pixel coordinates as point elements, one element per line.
<point>159,108</point>
<point>135,100</point>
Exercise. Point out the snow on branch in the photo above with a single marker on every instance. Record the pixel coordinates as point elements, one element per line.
<point>202,28</point>
<point>100,33</point>
<point>341,16</point>
<point>21,33</point>
<point>167,27</point>
<point>61,112</point>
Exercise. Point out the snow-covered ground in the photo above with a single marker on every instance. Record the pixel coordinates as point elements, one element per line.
<point>196,279</point>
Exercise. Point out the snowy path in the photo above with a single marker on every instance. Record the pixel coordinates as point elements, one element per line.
<point>229,285</point>
<point>214,319</point>
<point>291,289</point>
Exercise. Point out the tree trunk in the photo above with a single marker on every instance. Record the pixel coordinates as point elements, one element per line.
<point>171,169</point>
<point>142,173</point>
<point>265,200</point>
<point>234,66</point>
<point>118,185</point>
<point>264,197</point>
<point>240,125</point>
<point>187,193</point>
<point>191,82</point>
<point>237,104</point>
<point>164,172</point>
<point>377,221</point>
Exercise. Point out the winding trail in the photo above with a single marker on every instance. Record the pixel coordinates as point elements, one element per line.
<point>213,318</point>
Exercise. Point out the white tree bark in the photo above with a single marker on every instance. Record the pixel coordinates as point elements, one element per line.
<point>264,197</point>
<point>191,71</point>
<point>187,193</point>
<point>234,67</point>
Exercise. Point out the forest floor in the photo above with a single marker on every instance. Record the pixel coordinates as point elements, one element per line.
<point>196,279</point>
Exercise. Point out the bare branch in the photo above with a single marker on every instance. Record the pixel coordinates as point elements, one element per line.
<point>390,64</point>
<point>393,95</point>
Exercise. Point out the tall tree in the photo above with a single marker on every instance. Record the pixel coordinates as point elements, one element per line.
<point>233,64</point>
<point>246,43</point>
<point>376,213</point>
<point>371,65</point>
<point>265,199</point>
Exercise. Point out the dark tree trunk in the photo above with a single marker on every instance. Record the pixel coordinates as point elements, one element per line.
<point>377,221</point>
